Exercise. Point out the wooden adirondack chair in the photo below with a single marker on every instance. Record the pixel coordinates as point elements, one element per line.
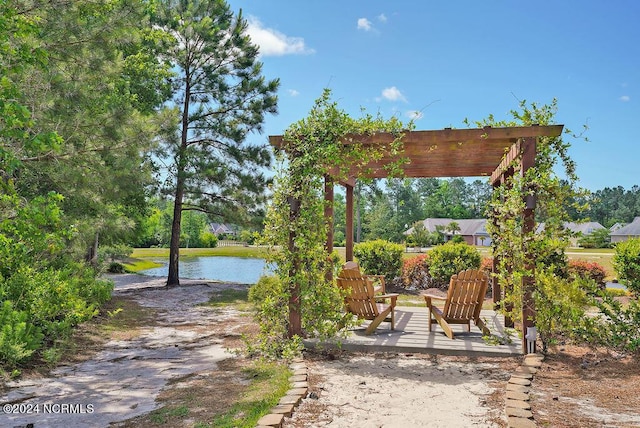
<point>361,301</point>
<point>462,304</point>
<point>352,270</point>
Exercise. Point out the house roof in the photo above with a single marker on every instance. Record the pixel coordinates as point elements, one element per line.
<point>585,228</point>
<point>468,227</point>
<point>632,229</point>
<point>221,228</point>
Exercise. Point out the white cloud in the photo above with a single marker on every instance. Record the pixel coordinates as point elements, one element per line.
<point>382,17</point>
<point>364,24</point>
<point>625,98</point>
<point>293,92</point>
<point>415,114</point>
<point>393,94</point>
<point>273,42</point>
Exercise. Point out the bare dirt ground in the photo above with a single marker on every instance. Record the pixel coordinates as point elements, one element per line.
<point>582,387</point>
<point>403,390</point>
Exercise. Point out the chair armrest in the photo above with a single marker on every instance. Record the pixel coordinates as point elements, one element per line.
<point>428,297</point>
<point>433,296</point>
<point>392,296</point>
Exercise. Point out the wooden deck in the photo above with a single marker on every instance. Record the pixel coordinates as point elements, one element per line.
<point>412,336</point>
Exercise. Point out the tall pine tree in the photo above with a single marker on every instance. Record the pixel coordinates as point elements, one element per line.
<point>220,97</point>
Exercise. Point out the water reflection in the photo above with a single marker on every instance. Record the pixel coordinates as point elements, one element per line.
<point>220,268</point>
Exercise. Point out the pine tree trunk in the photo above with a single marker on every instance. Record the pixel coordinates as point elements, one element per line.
<point>173,278</point>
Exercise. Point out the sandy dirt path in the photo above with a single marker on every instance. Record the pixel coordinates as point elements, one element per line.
<point>123,379</point>
<point>373,391</point>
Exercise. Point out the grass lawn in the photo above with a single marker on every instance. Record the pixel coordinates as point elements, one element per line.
<point>236,251</point>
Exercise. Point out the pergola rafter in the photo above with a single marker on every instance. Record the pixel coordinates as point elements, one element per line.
<point>496,153</point>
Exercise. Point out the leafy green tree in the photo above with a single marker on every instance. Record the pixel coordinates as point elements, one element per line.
<point>43,291</point>
<point>194,223</point>
<point>609,206</point>
<point>626,262</point>
<point>600,238</point>
<point>420,236</point>
<point>87,93</point>
<point>220,96</point>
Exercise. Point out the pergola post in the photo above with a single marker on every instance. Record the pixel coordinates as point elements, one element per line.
<point>328,211</point>
<point>496,289</point>
<point>295,314</point>
<point>528,225</point>
<point>328,218</point>
<point>349,222</point>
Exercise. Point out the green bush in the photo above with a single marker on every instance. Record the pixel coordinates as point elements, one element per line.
<point>116,267</point>
<point>53,301</point>
<point>379,257</point>
<point>626,262</point>
<point>114,252</point>
<point>600,238</point>
<point>449,259</point>
<point>271,300</point>
<point>618,327</point>
<point>560,306</point>
<point>208,240</point>
<point>19,338</point>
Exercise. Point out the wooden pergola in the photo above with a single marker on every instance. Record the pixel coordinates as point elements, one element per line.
<point>497,153</point>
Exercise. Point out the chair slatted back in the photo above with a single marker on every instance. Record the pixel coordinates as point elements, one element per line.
<point>359,294</point>
<point>465,295</point>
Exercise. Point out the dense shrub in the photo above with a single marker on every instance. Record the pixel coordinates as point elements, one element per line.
<point>600,238</point>
<point>379,257</point>
<point>415,272</point>
<point>560,307</point>
<point>116,267</point>
<point>271,299</point>
<point>617,327</point>
<point>626,262</point>
<point>43,291</point>
<point>587,270</point>
<point>114,252</point>
<point>449,259</point>
<point>208,240</point>
<point>19,338</point>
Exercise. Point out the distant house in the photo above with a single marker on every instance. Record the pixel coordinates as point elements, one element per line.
<point>222,229</point>
<point>473,231</point>
<point>582,229</point>
<point>617,226</point>
<point>632,230</point>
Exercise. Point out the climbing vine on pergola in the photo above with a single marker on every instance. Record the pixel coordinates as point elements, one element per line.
<point>333,149</point>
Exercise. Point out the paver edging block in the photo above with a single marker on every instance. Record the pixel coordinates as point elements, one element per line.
<point>287,404</point>
<point>518,411</point>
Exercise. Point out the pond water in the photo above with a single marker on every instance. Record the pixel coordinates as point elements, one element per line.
<point>219,268</point>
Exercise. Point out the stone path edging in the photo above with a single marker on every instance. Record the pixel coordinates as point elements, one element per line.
<point>287,404</point>
<point>517,406</point>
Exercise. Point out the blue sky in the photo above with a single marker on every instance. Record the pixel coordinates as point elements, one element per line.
<point>443,61</point>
